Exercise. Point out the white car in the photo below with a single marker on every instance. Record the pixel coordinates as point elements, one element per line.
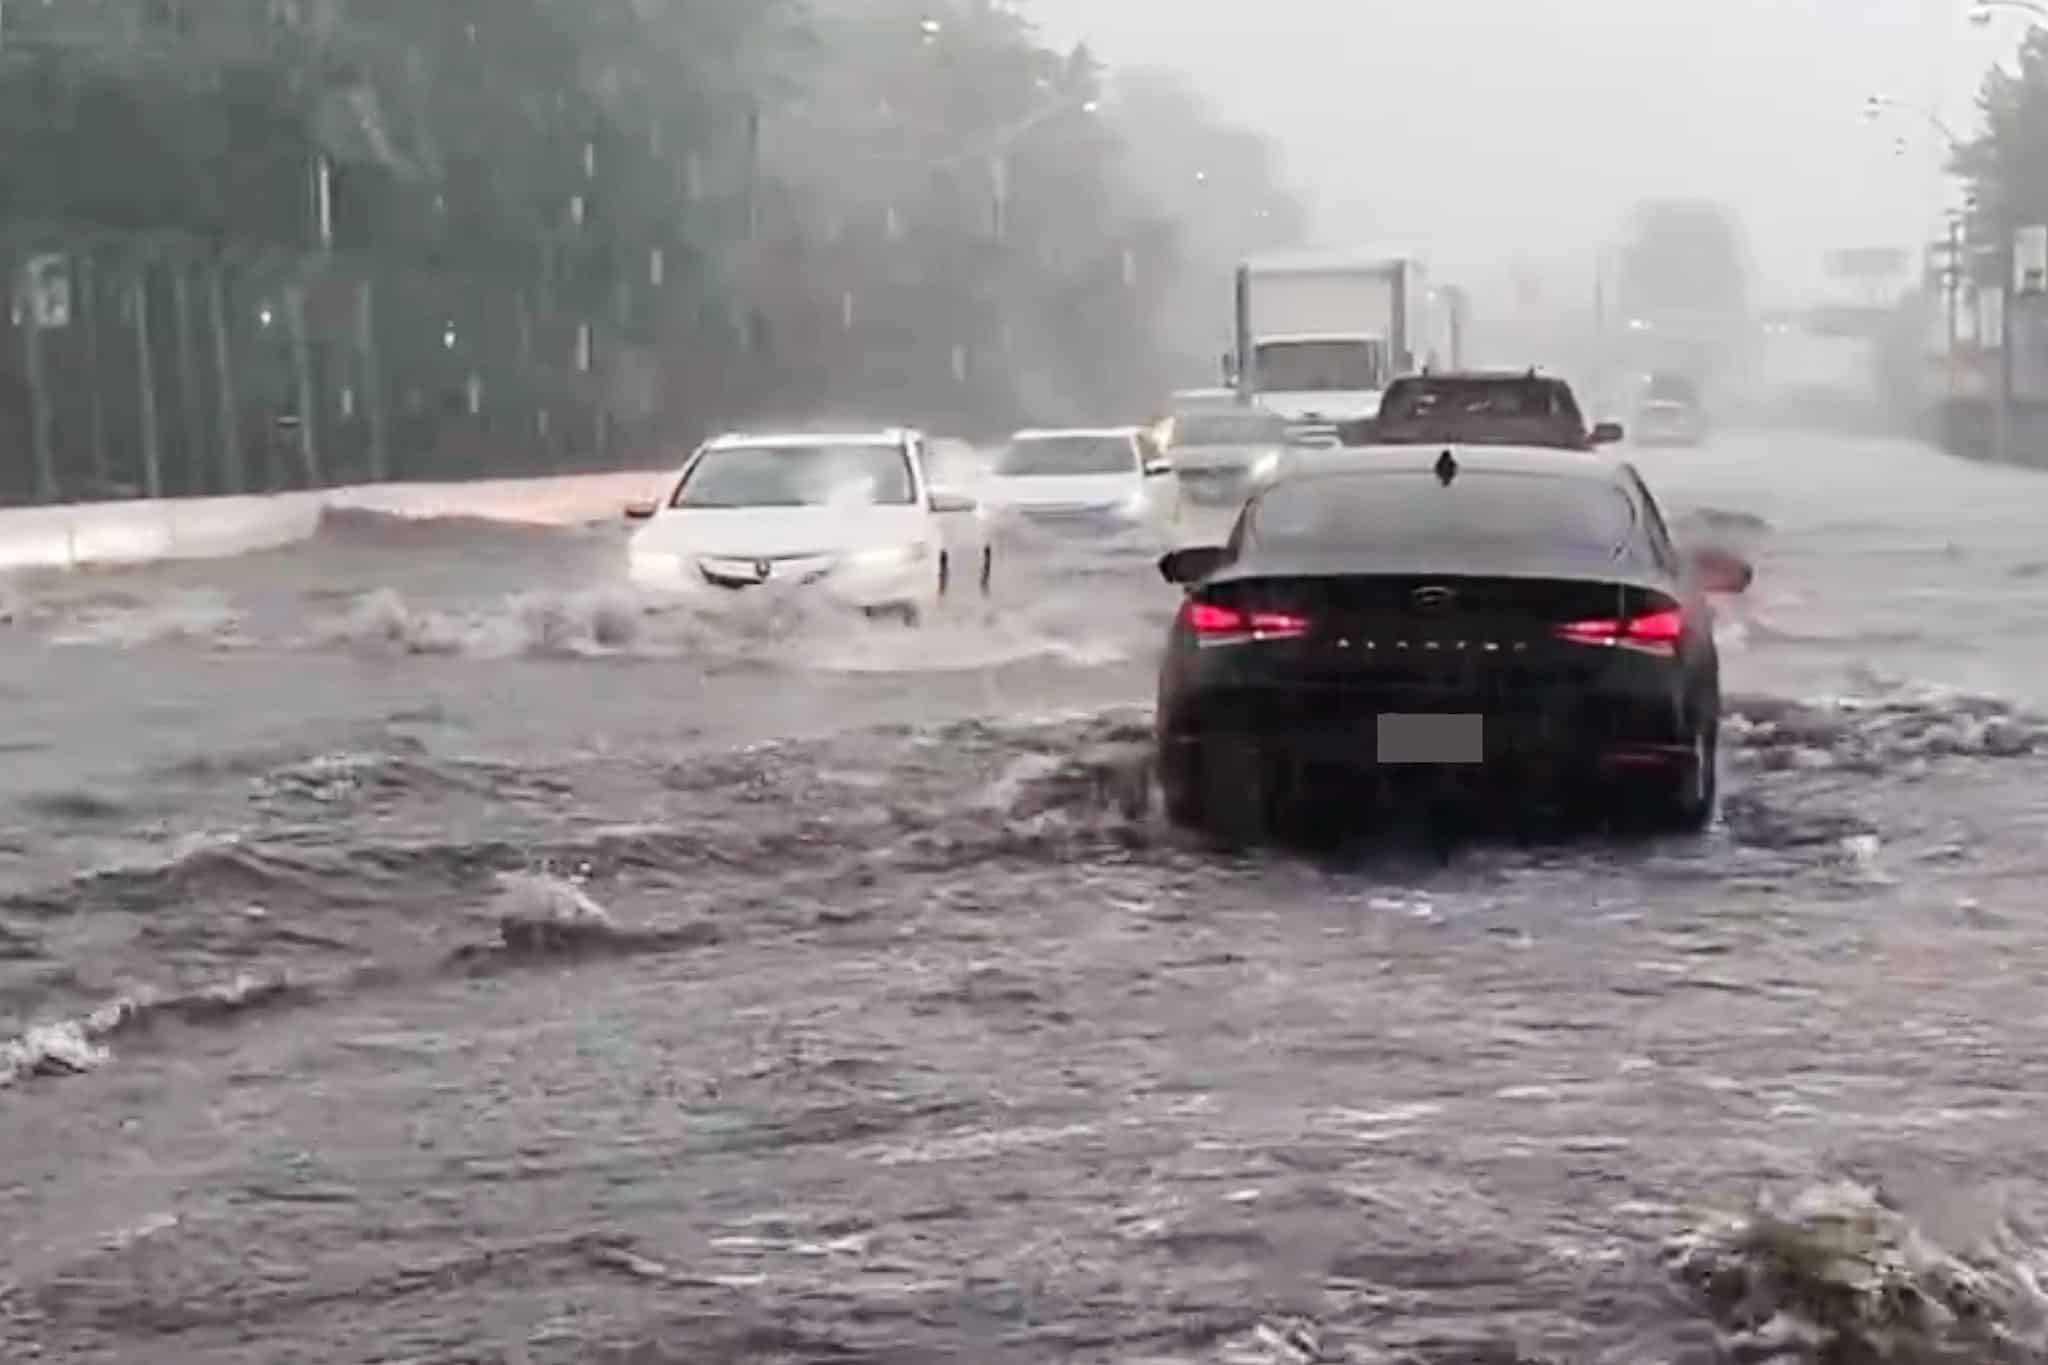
<point>1085,479</point>
<point>853,516</point>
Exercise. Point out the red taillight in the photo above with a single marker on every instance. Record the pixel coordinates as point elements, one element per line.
<point>1207,619</point>
<point>1659,628</point>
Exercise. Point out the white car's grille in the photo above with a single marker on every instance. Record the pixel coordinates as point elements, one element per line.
<point>733,571</point>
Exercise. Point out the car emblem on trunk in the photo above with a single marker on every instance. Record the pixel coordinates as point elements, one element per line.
<point>1433,600</point>
<point>762,568</point>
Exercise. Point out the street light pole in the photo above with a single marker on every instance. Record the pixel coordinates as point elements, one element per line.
<point>993,150</point>
<point>1878,104</point>
<point>1952,280</point>
<point>2007,257</point>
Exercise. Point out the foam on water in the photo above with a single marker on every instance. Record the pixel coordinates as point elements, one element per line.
<point>788,629</point>
<point>1835,1273</point>
<point>191,617</point>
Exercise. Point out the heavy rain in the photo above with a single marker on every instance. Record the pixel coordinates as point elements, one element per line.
<point>472,892</point>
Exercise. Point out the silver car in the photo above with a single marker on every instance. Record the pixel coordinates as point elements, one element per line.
<point>1218,453</point>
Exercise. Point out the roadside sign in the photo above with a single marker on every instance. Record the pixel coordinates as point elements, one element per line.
<point>1991,318</point>
<point>2030,260</point>
<point>47,282</point>
<point>2028,327</point>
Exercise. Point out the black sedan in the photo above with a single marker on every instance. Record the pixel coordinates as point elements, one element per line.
<point>1512,620</point>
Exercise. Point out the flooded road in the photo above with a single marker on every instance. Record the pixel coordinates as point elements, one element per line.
<point>420,949</point>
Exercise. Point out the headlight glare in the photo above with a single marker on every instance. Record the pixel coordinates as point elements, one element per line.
<point>890,556</point>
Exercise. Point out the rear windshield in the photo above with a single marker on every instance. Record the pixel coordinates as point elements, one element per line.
<point>1573,517</point>
<point>1480,412</point>
<point>1452,399</point>
<point>1229,429</point>
<point>1053,456</point>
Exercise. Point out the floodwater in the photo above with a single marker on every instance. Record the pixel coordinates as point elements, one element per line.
<point>419,948</point>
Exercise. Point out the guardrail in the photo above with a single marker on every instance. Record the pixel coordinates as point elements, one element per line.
<point>81,535</point>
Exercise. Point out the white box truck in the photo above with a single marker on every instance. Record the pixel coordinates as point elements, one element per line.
<point>1320,335</point>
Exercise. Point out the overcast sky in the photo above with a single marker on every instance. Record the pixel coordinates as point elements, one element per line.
<point>1487,131</point>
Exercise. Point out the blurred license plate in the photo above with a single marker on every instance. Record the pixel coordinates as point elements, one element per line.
<point>1432,739</point>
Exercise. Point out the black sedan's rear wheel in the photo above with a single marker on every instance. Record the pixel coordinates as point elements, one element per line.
<point>1684,801</point>
<point>1227,786</point>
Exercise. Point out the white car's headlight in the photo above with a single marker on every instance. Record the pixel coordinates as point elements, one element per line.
<point>890,556</point>
<point>653,561</point>
<point>1267,466</point>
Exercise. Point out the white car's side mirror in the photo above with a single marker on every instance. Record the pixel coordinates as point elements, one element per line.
<point>945,500</point>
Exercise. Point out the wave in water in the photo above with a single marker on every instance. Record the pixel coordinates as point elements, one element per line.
<point>539,916</point>
<point>788,629</point>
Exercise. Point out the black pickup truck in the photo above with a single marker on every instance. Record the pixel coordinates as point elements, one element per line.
<point>1479,407</point>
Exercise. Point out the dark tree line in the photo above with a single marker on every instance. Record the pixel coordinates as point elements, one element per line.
<point>262,244</point>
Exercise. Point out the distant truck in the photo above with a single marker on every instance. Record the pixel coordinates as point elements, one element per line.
<point>1319,337</point>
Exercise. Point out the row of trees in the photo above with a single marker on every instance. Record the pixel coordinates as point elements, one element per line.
<point>2004,169</point>
<point>281,243</point>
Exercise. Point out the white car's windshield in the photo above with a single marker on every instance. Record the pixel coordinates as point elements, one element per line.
<point>799,476</point>
<point>1054,456</point>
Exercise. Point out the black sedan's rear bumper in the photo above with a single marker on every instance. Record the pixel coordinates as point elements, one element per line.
<point>1640,725</point>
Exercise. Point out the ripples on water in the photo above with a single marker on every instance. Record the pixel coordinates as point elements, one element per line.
<point>1362,1108</point>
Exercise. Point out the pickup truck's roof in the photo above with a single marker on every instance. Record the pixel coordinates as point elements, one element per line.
<point>1492,407</point>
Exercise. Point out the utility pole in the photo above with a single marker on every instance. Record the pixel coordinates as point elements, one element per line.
<point>39,396</point>
<point>2008,264</point>
<point>152,448</point>
<point>1952,280</point>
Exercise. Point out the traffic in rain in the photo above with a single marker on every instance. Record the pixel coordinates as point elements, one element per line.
<point>857,681</point>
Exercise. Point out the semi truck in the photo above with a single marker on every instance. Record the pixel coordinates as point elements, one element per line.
<point>1319,336</point>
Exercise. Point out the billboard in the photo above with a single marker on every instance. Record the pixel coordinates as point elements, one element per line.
<point>1990,311</point>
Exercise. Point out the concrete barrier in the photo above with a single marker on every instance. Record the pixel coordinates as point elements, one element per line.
<point>564,500</point>
<point>79,535</point>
